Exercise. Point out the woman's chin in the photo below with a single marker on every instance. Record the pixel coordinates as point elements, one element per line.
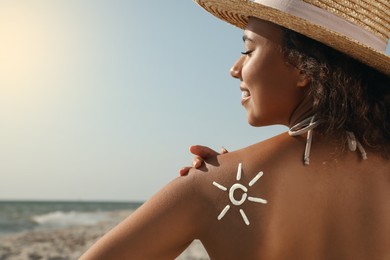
<point>254,122</point>
<point>258,122</point>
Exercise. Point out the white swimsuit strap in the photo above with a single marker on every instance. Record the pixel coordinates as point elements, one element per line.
<point>353,143</point>
<point>302,127</point>
<point>308,124</point>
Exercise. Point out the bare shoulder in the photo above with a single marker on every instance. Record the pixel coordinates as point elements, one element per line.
<point>269,157</point>
<point>267,197</point>
<point>239,188</point>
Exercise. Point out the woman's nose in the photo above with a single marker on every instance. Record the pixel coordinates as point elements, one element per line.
<point>235,70</point>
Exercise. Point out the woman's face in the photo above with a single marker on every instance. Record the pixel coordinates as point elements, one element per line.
<point>271,88</point>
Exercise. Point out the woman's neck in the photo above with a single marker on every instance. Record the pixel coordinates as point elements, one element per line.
<point>303,110</point>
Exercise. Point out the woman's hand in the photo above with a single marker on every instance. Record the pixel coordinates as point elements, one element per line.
<point>201,153</point>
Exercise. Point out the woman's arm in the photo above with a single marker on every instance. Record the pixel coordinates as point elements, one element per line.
<point>160,229</point>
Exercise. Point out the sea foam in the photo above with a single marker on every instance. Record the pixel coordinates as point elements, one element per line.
<point>67,219</point>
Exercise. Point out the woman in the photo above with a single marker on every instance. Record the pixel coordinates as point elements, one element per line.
<point>302,194</point>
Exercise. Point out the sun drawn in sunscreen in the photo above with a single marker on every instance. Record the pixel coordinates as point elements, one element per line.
<point>244,197</point>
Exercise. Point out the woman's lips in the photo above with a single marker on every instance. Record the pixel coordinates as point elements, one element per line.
<point>245,95</point>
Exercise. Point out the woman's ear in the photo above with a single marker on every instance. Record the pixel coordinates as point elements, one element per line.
<point>303,80</point>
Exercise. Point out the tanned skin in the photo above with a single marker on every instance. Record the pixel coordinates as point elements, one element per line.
<point>338,207</point>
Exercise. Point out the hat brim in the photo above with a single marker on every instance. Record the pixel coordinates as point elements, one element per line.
<point>237,12</point>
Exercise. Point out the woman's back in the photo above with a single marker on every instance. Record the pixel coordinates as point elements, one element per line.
<point>262,202</point>
<point>338,207</point>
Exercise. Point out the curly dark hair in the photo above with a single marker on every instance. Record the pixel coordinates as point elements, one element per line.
<point>347,94</point>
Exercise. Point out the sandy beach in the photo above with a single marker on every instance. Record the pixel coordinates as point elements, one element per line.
<point>69,243</point>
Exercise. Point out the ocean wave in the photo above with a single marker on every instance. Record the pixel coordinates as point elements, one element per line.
<point>60,219</point>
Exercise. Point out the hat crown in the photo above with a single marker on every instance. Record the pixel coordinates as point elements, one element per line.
<point>374,16</point>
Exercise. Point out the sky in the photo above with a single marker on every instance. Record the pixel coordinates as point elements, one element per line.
<point>100,99</point>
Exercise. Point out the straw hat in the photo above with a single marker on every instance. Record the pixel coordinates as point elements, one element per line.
<point>359,28</point>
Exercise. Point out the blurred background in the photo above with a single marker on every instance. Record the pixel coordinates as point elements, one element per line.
<point>100,100</point>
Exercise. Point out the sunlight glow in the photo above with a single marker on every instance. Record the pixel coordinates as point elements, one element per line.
<point>21,48</point>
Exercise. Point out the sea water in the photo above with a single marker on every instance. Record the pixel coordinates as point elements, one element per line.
<point>17,216</point>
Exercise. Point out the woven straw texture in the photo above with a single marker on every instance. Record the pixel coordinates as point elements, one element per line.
<point>373,16</point>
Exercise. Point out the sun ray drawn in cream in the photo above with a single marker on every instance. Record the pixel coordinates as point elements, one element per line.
<point>244,196</point>
<point>223,212</point>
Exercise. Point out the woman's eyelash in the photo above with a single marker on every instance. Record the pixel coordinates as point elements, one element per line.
<point>247,52</point>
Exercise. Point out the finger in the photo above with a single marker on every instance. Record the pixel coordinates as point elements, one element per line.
<point>197,162</point>
<point>184,171</point>
<point>223,150</point>
<point>202,151</point>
